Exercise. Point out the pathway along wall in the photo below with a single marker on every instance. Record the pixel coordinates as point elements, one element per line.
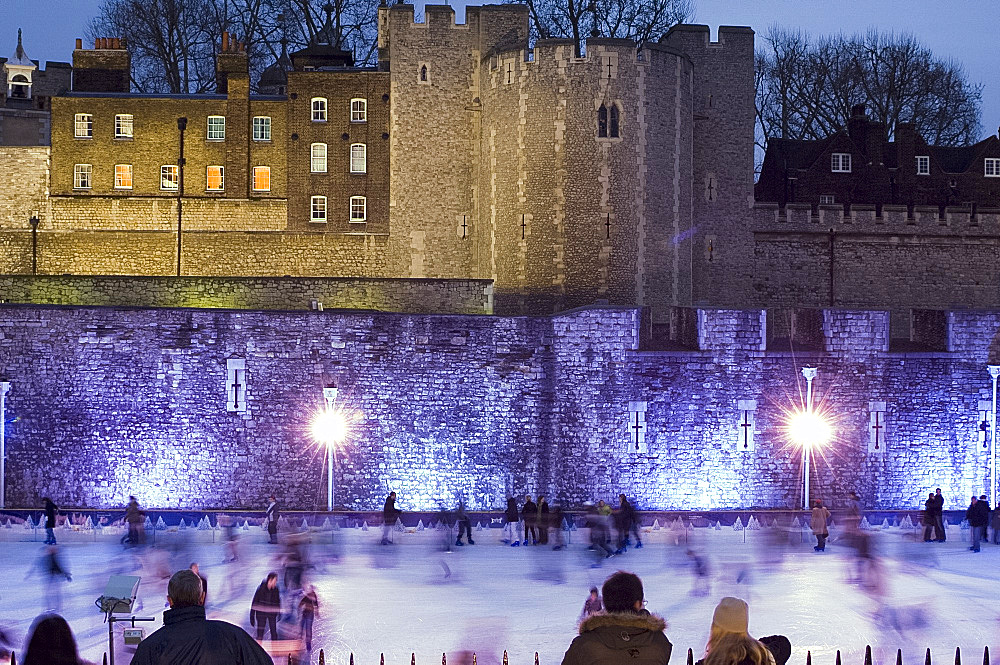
<point>109,402</point>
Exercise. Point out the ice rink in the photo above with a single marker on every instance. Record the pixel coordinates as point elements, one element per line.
<point>401,598</point>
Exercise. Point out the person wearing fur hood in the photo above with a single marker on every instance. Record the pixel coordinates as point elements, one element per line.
<point>624,632</point>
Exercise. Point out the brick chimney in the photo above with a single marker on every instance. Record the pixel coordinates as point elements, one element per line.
<point>857,124</point>
<point>105,68</point>
<point>232,66</point>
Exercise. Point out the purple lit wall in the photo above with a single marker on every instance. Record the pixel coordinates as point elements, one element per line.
<point>109,402</point>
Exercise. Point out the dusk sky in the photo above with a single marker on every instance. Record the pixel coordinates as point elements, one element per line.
<point>963,30</point>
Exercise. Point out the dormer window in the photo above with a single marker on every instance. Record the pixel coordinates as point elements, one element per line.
<point>991,168</point>
<point>840,162</point>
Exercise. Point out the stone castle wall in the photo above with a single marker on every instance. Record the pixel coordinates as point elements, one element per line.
<point>26,177</point>
<point>105,402</point>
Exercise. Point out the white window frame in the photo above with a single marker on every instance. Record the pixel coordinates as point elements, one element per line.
<point>991,167</point>
<point>838,160</point>
<point>222,178</point>
<point>264,125</point>
<point>124,125</point>
<point>83,126</point>
<point>320,107</point>
<point>359,110</point>
<point>121,169</point>
<point>359,161</point>
<point>213,133</point>
<point>83,176</point>
<point>362,203</point>
<point>317,209</point>
<point>169,173</point>
<point>318,163</point>
<point>253,180</point>
<point>923,164</point>
<point>827,199</point>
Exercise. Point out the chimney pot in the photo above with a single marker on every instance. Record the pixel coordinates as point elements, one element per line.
<point>115,43</point>
<point>79,44</point>
<point>225,41</point>
<point>97,42</point>
<point>104,42</point>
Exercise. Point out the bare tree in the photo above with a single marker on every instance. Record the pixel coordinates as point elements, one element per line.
<point>805,90</point>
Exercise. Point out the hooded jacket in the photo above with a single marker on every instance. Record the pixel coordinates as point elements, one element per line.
<point>617,638</point>
<point>188,638</point>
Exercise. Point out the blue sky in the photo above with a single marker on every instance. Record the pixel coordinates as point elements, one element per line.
<point>962,29</point>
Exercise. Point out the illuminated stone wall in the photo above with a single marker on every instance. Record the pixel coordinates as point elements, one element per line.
<point>105,402</point>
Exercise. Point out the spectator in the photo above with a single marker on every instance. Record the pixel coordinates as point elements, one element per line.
<point>529,513</point>
<point>188,638</point>
<point>729,641</point>
<point>266,607</point>
<point>135,519</point>
<point>626,633</point>
<point>820,516</point>
<point>51,510</point>
<point>978,515</point>
<point>389,516</point>
<point>51,642</point>
<point>930,520</point>
<point>512,529</point>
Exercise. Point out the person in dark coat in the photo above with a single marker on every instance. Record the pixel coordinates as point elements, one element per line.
<point>543,521</point>
<point>389,516</point>
<point>978,515</point>
<point>309,609</point>
<point>464,524</point>
<point>135,519</point>
<point>266,607</point>
<point>188,638</point>
<point>50,521</point>
<point>272,515</point>
<point>513,519</point>
<point>630,523</point>
<point>929,520</point>
<point>529,513</point>
<point>626,633</point>
<point>940,534</point>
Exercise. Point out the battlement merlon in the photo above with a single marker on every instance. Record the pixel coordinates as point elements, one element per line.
<point>894,219</point>
<point>562,52</point>
<point>690,37</point>
<point>487,25</point>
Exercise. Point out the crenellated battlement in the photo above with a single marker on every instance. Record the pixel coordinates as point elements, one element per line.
<point>689,37</point>
<point>623,56</point>
<point>885,219</point>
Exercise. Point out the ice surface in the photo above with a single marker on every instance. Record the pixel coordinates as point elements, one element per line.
<point>397,600</point>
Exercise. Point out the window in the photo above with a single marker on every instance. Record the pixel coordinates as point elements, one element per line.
<point>82,176</point>
<point>359,209</point>
<point>923,165</point>
<point>123,126</point>
<point>992,168</point>
<point>317,205</point>
<point>826,199</point>
<point>262,178</point>
<point>83,126</point>
<point>359,158</point>
<point>613,122</point>
<point>840,162</point>
<point>261,128</point>
<point>359,110</point>
<point>169,177</point>
<point>602,122</point>
<point>423,75</point>
<point>216,128</point>
<point>317,158</point>
<point>215,179</point>
<point>123,176</point>
<point>319,109</point>
<point>747,424</point>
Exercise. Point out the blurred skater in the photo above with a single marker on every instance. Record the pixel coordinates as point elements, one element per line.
<point>272,515</point>
<point>543,520</point>
<point>266,607</point>
<point>389,516</point>
<point>464,524</point>
<point>51,510</point>
<point>978,515</point>
<point>529,513</point>
<point>308,610</point>
<point>598,526</point>
<point>818,524</point>
<point>699,567</point>
<point>512,526</point>
<point>557,526</point>
<point>134,518</point>
<point>629,519</point>
<point>50,565</point>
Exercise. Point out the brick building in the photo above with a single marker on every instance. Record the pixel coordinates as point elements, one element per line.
<point>858,166</point>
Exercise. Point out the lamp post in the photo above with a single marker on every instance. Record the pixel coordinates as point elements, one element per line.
<point>994,371</point>
<point>4,387</point>
<point>34,244</point>
<point>809,373</point>
<point>330,396</point>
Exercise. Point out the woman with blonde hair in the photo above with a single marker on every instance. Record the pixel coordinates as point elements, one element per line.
<point>729,642</point>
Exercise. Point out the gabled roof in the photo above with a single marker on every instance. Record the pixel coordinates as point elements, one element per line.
<point>795,153</point>
<point>961,158</point>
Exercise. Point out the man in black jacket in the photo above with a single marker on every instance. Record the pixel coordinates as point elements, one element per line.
<point>529,513</point>
<point>266,607</point>
<point>940,535</point>
<point>188,638</point>
<point>389,516</point>
<point>978,515</point>
<point>50,521</point>
<point>272,514</point>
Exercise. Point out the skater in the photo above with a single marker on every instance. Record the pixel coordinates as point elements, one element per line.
<point>50,642</point>
<point>626,633</point>
<point>51,510</point>
<point>557,527</point>
<point>187,638</point>
<point>463,523</point>
<point>512,528</point>
<point>50,564</point>
<point>978,515</point>
<point>940,533</point>
<point>592,605</point>
<point>389,516</point>
<point>629,522</point>
<point>598,526</point>
<point>529,513</point>
<point>266,607</point>
<point>820,516</point>
<point>729,641</point>
<point>930,523</point>
<point>309,610</point>
<point>272,521</point>
<point>854,514</point>
<point>543,520</point>
<point>204,581</point>
<point>702,584</point>
<point>134,518</point>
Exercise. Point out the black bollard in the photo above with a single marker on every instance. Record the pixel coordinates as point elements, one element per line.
<point>958,655</point>
<point>504,657</point>
<point>927,657</point>
<point>322,657</point>
<point>444,658</point>
<point>868,654</point>
<point>838,656</point>
<point>986,656</point>
<point>413,658</point>
<point>536,658</point>
<point>899,657</point>
<point>690,658</point>
<point>809,658</point>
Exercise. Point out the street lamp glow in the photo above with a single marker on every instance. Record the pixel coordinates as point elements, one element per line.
<point>329,427</point>
<point>809,429</point>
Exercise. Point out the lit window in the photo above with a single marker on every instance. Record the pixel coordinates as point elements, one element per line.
<point>318,209</point>
<point>215,179</point>
<point>262,178</point>
<point>319,109</point>
<point>840,162</point>
<point>262,128</point>
<point>83,126</point>
<point>923,165</point>
<point>359,209</point>
<point>123,126</point>
<point>82,176</point>
<point>359,158</point>
<point>123,176</point>
<point>602,122</point>
<point>317,158</point>
<point>169,177</point>
<point>992,168</point>
<point>359,110</point>
<point>613,122</point>
<point>216,128</point>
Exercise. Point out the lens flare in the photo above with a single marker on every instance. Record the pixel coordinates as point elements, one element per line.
<point>809,429</point>
<point>329,427</point>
